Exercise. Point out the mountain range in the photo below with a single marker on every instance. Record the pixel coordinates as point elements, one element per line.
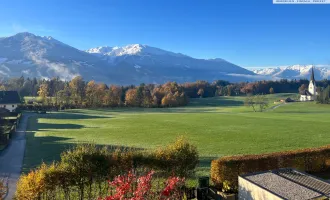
<point>45,57</point>
<point>294,72</point>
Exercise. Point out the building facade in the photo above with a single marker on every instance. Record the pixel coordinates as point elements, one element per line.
<point>9,100</point>
<point>310,93</point>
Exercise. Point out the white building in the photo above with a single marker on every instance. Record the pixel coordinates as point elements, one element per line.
<point>9,100</point>
<point>310,93</point>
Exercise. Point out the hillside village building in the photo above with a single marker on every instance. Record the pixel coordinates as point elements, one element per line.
<point>9,100</point>
<point>310,93</point>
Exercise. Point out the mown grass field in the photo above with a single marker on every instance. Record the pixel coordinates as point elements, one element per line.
<point>217,126</point>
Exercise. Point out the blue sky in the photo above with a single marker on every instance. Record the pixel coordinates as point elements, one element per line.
<point>250,33</point>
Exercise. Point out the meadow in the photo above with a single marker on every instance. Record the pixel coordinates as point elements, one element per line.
<point>217,126</point>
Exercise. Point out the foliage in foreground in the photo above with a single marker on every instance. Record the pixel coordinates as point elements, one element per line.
<point>133,187</point>
<point>82,172</point>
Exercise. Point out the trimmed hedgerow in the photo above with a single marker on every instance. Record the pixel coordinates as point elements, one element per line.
<point>228,168</point>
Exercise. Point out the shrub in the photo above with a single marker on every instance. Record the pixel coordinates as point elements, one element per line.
<point>180,158</point>
<point>82,171</point>
<point>227,169</point>
<point>133,187</point>
<point>32,185</point>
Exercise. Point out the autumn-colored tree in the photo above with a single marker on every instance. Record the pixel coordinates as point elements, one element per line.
<point>271,91</point>
<point>100,93</point>
<point>77,87</point>
<point>157,96</point>
<point>169,100</point>
<point>117,92</point>
<point>248,88</point>
<point>131,98</point>
<point>43,92</point>
<point>90,92</point>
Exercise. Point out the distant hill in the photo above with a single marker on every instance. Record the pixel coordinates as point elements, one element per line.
<point>45,57</point>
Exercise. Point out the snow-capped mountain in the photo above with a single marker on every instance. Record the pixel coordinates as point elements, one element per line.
<point>133,49</point>
<point>45,57</point>
<point>154,64</point>
<point>295,72</point>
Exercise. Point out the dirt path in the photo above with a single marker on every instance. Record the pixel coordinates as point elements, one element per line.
<point>11,159</point>
<point>279,105</point>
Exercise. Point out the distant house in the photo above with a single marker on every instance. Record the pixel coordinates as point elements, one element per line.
<point>310,93</point>
<point>282,184</point>
<point>9,100</point>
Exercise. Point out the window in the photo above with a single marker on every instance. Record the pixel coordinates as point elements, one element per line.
<point>13,106</point>
<point>4,106</point>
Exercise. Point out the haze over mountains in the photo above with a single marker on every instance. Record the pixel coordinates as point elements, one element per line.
<point>45,57</point>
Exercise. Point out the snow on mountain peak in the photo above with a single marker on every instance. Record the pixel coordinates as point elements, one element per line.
<point>100,50</point>
<point>132,49</point>
<point>294,71</point>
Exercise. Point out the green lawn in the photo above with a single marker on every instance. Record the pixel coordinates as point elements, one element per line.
<point>218,126</point>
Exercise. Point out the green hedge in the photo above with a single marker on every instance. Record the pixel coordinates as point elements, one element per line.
<point>230,167</point>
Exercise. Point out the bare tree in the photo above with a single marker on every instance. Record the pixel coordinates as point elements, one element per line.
<point>256,101</point>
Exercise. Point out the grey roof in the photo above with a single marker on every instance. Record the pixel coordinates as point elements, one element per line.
<point>9,97</point>
<point>307,93</point>
<point>290,184</point>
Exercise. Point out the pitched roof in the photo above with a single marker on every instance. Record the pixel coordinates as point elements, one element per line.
<point>9,97</point>
<point>306,92</point>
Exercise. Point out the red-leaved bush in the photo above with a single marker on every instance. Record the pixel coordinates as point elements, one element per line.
<point>132,187</point>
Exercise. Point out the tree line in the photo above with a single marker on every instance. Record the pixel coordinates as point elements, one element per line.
<point>80,93</point>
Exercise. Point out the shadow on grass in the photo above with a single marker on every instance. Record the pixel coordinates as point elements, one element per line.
<point>69,115</point>
<point>222,101</point>
<point>48,149</point>
<point>44,126</point>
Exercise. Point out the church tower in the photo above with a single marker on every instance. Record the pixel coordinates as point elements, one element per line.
<point>312,85</point>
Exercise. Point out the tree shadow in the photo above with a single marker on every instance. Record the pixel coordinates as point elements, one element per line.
<point>69,115</point>
<point>45,126</point>
<point>48,149</point>
<point>186,109</point>
<point>214,102</point>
